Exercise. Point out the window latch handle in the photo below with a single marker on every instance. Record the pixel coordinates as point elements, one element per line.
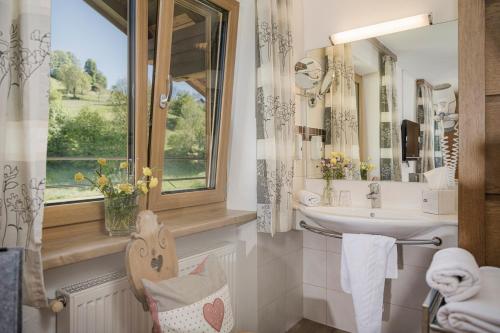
<point>165,98</point>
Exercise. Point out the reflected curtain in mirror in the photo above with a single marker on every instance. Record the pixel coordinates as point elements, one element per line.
<point>340,104</point>
<point>24,113</point>
<point>390,139</point>
<point>275,102</point>
<point>425,116</point>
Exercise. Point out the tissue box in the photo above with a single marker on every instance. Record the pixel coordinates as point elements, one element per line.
<point>439,202</point>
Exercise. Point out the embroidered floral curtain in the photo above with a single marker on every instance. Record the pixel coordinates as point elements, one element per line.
<point>390,136</point>
<point>24,110</point>
<point>274,115</point>
<point>340,103</point>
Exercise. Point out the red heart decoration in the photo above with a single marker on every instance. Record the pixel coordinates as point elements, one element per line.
<point>214,313</point>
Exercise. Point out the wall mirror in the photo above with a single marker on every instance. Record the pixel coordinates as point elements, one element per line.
<point>390,102</point>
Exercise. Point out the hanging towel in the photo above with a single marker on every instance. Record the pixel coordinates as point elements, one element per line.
<point>366,261</point>
<point>309,199</point>
<point>481,312</point>
<point>455,273</point>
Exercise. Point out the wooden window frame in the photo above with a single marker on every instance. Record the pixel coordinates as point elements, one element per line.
<point>158,201</point>
<point>58,215</point>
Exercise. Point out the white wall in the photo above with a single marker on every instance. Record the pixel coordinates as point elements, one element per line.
<point>242,173</point>
<point>324,17</point>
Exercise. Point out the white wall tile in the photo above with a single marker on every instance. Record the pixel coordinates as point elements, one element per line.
<point>333,271</point>
<point>314,241</point>
<point>401,319</point>
<point>334,245</point>
<point>272,317</point>
<point>409,289</point>
<point>314,303</point>
<point>293,241</point>
<point>293,269</point>
<point>270,248</point>
<point>314,266</point>
<point>298,183</point>
<point>416,255</point>
<point>271,281</point>
<point>293,305</point>
<point>340,311</point>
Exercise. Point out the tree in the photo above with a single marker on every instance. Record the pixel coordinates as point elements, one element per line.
<point>99,81</point>
<point>59,59</point>
<point>186,121</point>
<point>74,79</point>
<point>90,67</point>
<point>83,83</point>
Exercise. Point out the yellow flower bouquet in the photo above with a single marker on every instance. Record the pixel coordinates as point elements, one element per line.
<point>365,167</point>
<point>120,194</point>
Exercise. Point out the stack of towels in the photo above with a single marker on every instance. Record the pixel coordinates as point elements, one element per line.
<point>472,294</point>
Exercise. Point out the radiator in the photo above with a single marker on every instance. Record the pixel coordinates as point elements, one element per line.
<point>105,304</point>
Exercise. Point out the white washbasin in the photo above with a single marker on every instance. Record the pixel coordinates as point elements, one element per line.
<point>400,224</point>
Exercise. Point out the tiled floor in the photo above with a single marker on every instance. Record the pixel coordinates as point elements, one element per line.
<point>308,326</point>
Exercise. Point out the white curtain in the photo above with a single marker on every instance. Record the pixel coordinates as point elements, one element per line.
<point>275,113</point>
<point>24,89</point>
<point>390,124</point>
<point>340,103</point>
<point>425,115</point>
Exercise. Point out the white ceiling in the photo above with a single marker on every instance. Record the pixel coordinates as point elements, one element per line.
<point>429,53</point>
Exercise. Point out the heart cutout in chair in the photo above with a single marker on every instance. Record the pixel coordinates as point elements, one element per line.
<point>157,263</point>
<point>214,313</point>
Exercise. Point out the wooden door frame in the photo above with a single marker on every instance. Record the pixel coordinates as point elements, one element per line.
<point>472,131</point>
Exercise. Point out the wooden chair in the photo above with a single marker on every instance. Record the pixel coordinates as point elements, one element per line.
<point>150,254</point>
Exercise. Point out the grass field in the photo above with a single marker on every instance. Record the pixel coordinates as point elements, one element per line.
<point>60,182</point>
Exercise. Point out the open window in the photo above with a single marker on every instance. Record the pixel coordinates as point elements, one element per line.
<point>193,74</point>
<point>145,81</point>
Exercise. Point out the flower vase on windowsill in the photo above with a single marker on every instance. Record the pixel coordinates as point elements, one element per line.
<point>120,194</point>
<point>120,214</point>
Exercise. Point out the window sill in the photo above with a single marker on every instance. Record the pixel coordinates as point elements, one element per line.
<point>70,244</point>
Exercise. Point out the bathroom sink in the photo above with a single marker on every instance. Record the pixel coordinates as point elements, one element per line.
<point>400,224</point>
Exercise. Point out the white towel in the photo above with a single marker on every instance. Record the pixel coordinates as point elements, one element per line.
<point>309,199</point>
<point>480,313</point>
<point>455,273</point>
<point>366,261</point>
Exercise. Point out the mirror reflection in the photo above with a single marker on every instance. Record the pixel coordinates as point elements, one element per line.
<point>387,106</point>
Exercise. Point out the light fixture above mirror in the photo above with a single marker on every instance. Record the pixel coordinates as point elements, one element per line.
<point>381,29</point>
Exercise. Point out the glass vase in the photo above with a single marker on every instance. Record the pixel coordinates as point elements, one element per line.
<point>120,214</point>
<point>364,174</point>
<point>328,193</point>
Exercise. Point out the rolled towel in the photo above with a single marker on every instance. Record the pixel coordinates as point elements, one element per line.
<point>309,199</point>
<point>480,313</point>
<point>454,272</point>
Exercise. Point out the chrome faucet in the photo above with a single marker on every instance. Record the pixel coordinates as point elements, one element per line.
<point>374,195</point>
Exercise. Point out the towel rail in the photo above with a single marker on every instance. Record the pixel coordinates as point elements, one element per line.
<point>330,233</point>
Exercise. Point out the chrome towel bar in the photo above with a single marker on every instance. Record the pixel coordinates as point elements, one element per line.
<point>330,233</point>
